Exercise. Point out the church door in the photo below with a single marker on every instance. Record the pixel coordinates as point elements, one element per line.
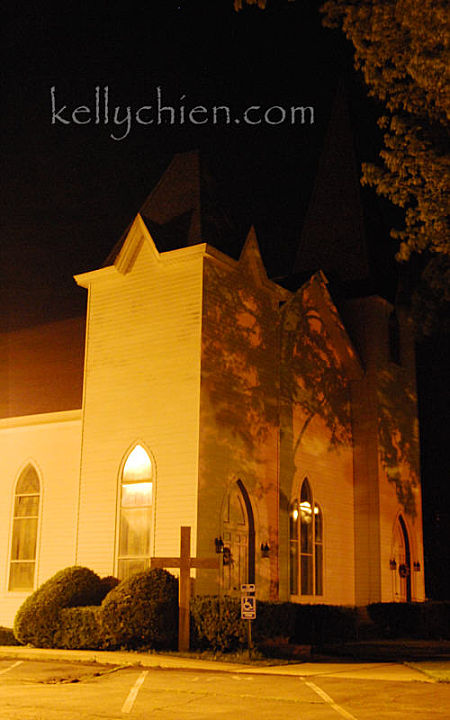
<point>238,533</point>
<point>402,557</point>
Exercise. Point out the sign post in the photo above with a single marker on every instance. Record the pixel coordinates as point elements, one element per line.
<point>248,609</point>
<point>185,562</point>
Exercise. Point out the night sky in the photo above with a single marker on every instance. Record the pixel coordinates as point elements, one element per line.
<point>69,190</point>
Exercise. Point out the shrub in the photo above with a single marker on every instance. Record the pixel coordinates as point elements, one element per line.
<point>217,623</point>
<point>142,610</point>
<point>80,628</point>
<point>7,637</point>
<point>436,617</point>
<point>274,620</point>
<point>321,624</point>
<point>37,620</point>
<point>107,584</point>
<point>430,620</point>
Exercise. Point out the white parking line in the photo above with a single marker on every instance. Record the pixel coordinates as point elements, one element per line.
<point>330,701</point>
<point>19,662</point>
<point>132,695</point>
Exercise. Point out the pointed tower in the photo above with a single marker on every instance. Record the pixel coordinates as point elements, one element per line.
<point>332,237</point>
<point>185,209</point>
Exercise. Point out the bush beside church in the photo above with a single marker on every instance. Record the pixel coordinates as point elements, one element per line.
<point>76,609</point>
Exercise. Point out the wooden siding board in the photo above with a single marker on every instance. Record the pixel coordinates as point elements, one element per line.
<point>142,385</point>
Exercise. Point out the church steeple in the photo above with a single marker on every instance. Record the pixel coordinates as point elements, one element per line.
<point>332,238</point>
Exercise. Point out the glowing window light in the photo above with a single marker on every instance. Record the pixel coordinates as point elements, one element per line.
<point>306,511</point>
<point>137,494</point>
<point>138,466</point>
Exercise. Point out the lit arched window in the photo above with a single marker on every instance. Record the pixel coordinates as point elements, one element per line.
<point>136,493</point>
<point>25,528</point>
<point>306,544</point>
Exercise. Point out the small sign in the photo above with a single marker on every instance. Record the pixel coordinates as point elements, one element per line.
<point>248,589</point>
<point>248,607</point>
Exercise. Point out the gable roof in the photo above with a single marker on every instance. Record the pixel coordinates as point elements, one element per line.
<point>317,292</point>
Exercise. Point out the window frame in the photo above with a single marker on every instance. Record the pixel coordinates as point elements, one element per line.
<point>120,507</point>
<point>306,546</point>
<point>14,517</point>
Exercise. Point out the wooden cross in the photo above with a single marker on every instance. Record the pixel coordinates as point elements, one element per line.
<point>185,563</point>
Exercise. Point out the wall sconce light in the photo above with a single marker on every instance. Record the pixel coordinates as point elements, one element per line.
<point>393,564</point>
<point>265,549</point>
<point>219,545</point>
<point>417,566</point>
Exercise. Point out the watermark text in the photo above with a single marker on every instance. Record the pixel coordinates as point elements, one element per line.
<point>121,118</point>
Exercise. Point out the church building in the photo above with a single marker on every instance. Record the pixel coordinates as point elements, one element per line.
<point>199,392</point>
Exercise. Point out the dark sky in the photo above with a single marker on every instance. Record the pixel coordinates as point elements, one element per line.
<point>70,190</point>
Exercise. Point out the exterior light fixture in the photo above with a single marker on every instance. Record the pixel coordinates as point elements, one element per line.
<point>416,566</point>
<point>393,564</point>
<point>218,542</point>
<point>265,549</point>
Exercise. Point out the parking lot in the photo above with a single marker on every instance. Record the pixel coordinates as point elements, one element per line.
<point>56,690</point>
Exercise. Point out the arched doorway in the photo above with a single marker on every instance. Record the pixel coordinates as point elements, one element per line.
<point>402,565</point>
<point>238,533</point>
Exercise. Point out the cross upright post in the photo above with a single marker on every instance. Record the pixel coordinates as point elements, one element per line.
<point>184,563</point>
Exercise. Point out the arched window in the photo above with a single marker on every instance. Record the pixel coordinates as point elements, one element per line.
<point>135,522</point>
<point>306,544</point>
<point>24,534</point>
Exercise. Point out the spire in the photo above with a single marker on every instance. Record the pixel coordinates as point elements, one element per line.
<point>183,209</point>
<point>250,258</point>
<point>332,238</point>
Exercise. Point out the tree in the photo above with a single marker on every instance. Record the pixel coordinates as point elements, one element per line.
<point>403,50</point>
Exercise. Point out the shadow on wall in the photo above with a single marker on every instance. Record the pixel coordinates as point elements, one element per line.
<point>264,351</point>
<point>398,434</point>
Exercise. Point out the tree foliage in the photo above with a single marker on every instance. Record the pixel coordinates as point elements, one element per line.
<point>402,47</point>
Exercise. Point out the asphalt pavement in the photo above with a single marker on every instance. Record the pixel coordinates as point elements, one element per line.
<point>79,685</point>
<point>367,670</point>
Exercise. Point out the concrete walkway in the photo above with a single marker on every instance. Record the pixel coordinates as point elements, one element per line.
<point>394,671</point>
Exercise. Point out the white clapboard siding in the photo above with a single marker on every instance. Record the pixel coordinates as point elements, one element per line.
<point>51,443</point>
<point>142,385</point>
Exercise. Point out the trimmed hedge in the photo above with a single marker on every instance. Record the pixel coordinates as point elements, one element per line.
<point>107,584</point>
<point>142,610</point>
<point>65,611</point>
<point>217,623</point>
<point>320,624</point>
<point>80,628</point>
<point>7,637</point>
<point>429,620</point>
<point>38,620</point>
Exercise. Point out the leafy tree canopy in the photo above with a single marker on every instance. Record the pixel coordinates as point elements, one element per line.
<point>402,48</point>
